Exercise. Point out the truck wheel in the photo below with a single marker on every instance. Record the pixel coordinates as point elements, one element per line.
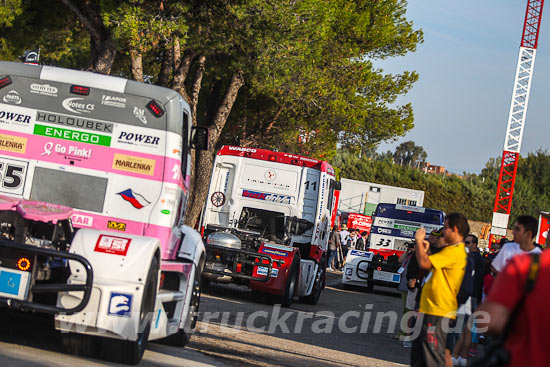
<point>291,283</point>
<point>131,352</point>
<point>318,286</point>
<point>182,337</point>
<point>80,344</point>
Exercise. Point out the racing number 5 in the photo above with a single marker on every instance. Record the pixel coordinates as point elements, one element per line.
<point>13,177</point>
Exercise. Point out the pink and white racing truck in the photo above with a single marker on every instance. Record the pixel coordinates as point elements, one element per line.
<point>94,176</point>
<point>267,222</point>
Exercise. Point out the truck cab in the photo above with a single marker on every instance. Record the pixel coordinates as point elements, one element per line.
<point>94,179</point>
<point>274,212</point>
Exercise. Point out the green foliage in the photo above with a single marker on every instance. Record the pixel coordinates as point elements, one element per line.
<point>408,153</point>
<point>472,195</point>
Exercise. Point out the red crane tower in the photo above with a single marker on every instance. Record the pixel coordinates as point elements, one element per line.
<point>516,117</point>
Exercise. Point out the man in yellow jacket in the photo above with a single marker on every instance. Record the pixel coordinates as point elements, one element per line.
<point>438,302</point>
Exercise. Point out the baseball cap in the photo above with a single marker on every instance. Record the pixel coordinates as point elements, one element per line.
<point>437,232</point>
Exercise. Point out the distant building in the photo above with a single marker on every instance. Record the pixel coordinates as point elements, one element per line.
<point>432,168</point>
<point>362,197</point>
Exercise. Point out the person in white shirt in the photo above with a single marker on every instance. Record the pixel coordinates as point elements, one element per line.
<point>344,233</point>
<point>524,232</point>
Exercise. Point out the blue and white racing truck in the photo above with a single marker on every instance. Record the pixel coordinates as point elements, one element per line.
<point>393,228</point>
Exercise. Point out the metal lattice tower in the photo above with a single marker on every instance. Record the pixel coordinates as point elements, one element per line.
<point>516,117</point>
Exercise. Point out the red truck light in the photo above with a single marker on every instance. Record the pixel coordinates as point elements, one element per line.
<point>155,109</point>
<point>239,267</point>
<point>5,81</point>
<point>80,90</point>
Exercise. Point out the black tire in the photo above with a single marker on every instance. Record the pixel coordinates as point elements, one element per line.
<point>80,344</point>
<point>291,283</point>
<point>318,286</point>
<point>182,337</point>
<point>131,352</point>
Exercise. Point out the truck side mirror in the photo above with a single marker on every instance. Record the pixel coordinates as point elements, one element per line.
<point>336,185</point>
<point>199,138</point>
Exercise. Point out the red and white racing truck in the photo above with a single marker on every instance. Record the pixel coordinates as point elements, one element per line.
<point>94,174</point>
<point>267,222</point>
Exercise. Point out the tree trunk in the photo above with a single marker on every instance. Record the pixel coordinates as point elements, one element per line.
<point>197,84</point>
<point>137,65</point>
<point>181,74</point>
<point>102,45</point>
<point>166,65</point>
<point>205,159</point>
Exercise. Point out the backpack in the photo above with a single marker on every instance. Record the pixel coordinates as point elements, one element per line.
<point>467,287</point>
<point>349,242</point>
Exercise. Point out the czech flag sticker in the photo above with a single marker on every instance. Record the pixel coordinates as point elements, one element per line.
<point>137,200</point>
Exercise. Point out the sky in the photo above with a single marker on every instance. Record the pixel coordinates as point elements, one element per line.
<point>466,68</point>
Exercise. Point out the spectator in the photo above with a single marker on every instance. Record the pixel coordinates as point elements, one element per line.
<point>348,243</point>
<point>524,232</point>
<point>344,233</point>
<point>333,244</point>
<point>528,338</point>
<point>361,243</point>
<point>461,347</point>
<point>404,260</point>
<point>438,302</point>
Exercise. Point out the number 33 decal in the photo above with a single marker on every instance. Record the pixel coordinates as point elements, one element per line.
<point>381,242</point>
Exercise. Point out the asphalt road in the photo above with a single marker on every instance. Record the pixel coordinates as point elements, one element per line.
<point>240,328</point>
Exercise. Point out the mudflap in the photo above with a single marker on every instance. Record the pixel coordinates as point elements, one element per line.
<point>282,260</point>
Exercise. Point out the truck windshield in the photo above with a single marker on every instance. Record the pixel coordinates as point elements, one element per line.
<point>269,223</point>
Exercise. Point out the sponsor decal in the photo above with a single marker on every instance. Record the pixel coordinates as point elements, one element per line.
<point>282,199</point>
<point>82,220</point>
<point>13,144</point>
<point>383,230</point>
<point>120,304</point>
<point>9,117</point>
<point>140,115</point>
<point>359,221</point>
<point>112,245</point>
<point>165,211</point>
<point>137,139</point>
<point>396,278</point>
<point>138,201</point>
<point>70,151</point>
<point>10,282</point>
<point>366,254</point>
<point>80,122</point>
<point>279,247</point>
<point>383,222</point>
<point>410,208</point>
<point>270,175</point>
<point>12,97</point>
<point>262,270</point>
<point>118,226</point>
<point>128,163</point>
<point>77,105</point>
<point>349,271</point>
<point>44,89</point>
<point>113,101</point>
<point>241,149</point>
<point>67,134</point>
<point>274,252</point>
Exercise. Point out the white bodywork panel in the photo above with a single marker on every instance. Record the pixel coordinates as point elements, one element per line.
<point>115,276</point>
<point>353,259</point>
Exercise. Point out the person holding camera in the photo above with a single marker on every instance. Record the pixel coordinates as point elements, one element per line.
<point>403,288</point>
